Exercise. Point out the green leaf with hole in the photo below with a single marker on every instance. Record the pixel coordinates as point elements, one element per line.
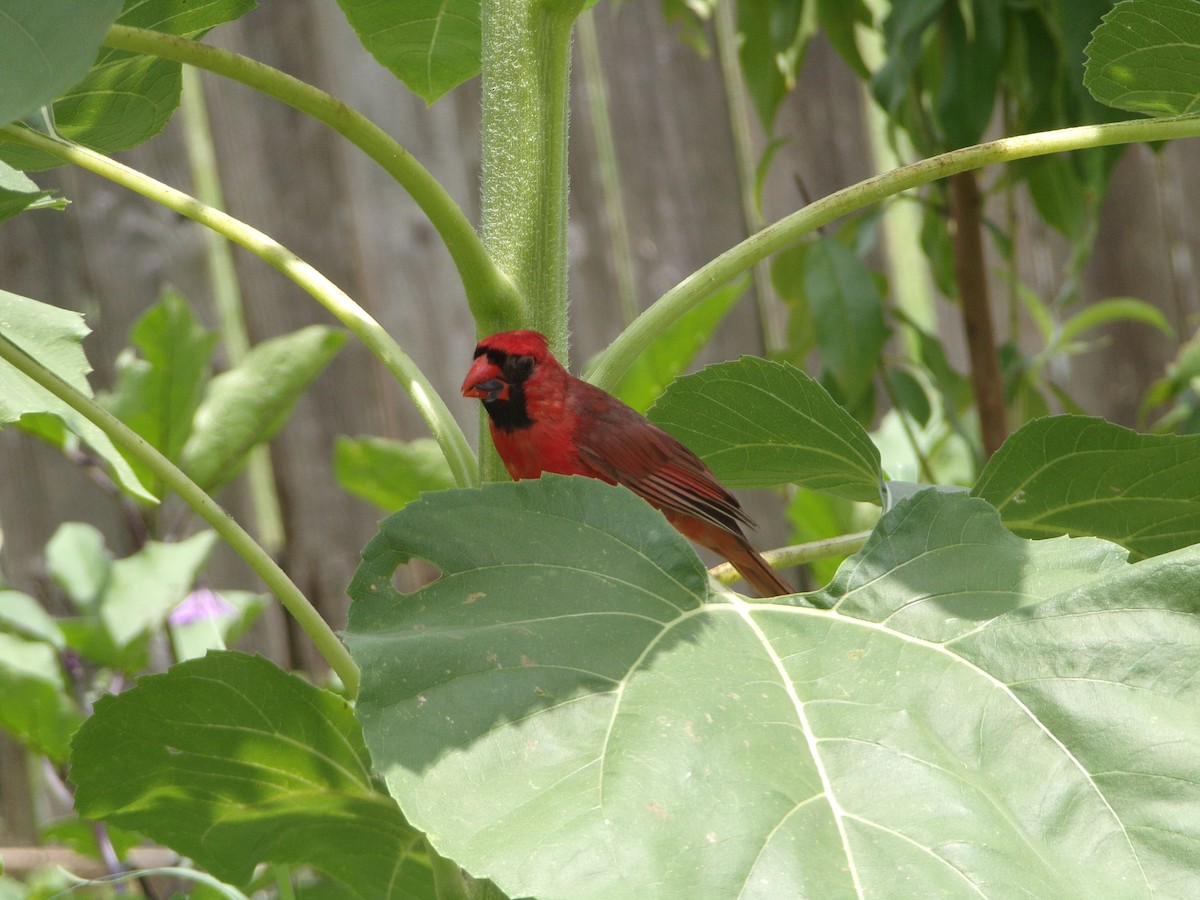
<point>961,708</point>
<point>233,762</point>
<point>430,45</point>
<point>758,423</point>
<point>1083,476</point>
<point>250,403</point>
<point>1145,57</point>
<point>54,338</point>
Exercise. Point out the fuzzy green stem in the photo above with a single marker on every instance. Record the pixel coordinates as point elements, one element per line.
<point>492,297</point>
<point>525,64</point>
<point>227,297</point>
<point>608,369</point>
<point>260,561</point>
<point>430,405</point>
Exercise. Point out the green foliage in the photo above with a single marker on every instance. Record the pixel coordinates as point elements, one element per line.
<point>248,404</point>
<point>672,351</point>
<point>140,590</point>
<point>233,762</point>
<point>390,474</point>
<point>1083,476</point>
<point>574,708</point>
<point>158,391</point>
<point>39,57</point>
<point>650,715</point>
<point>1145,58</point>
<point>54,336</point>
<point>847,316</point>
<point>37,709</point>
<point>123,98</point>
<point>773,37</point>
<point>18,193</point>
<point>430,45</point>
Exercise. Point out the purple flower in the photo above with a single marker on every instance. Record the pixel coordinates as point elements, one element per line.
<point>201,605</point>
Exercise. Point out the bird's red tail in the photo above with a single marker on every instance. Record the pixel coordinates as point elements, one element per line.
<point>757,572</point>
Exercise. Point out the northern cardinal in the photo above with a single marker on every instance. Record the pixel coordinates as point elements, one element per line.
<point>543,419</point>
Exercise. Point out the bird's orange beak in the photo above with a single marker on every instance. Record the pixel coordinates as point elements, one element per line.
<point>484,381</point>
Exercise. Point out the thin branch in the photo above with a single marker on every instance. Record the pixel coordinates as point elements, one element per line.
<point>970,273</point>
<point>799,554</point>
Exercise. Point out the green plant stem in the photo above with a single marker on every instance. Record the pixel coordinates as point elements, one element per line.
<point>431,406</point>
<point>276,580</point>
<point>492,297</point>
<point>606,165</point>
<point>525,62</point>
<point>798,554</point>
<point>227,296</point>
<point>620,355</point>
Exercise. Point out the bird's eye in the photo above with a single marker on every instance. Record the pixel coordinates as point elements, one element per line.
<point>519,367</point>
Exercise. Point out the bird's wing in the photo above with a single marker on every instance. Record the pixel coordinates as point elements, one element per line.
<point>625,448</point>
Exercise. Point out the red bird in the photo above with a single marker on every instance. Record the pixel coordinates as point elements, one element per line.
<point>543,419</point>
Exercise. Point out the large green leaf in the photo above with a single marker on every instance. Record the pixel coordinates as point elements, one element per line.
<point>251,402</point>
<point>390,473</point>
<point>233,762</point>
<point>974,714</point>
<point>759,424</point>
<point>158,392</point>
<point>53,337</point>
<point>45,47</point>
<point>125,98</point>
<point>1145,57</point>
<point>430,45</point>
<point>37,709</point>
<point>1083,476</point>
